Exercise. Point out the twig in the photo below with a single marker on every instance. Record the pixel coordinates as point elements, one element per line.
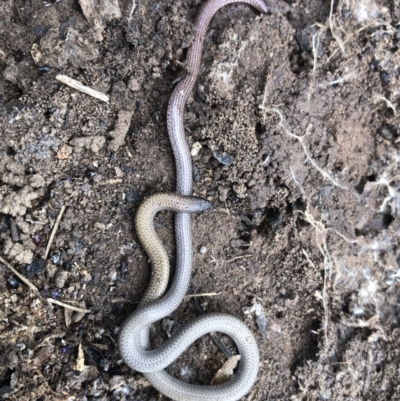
<point>35,222</point>
<point>14,230</point>
<point>240,257</point>
<point>53,233</point>
<point>315,42</point>
<point>20,276</point>
<point>73,83</point>
<point>112,181</point>
<point>132,10</point>
<point>205,294</point>
<point>128,152</point>
<point>66,306</point>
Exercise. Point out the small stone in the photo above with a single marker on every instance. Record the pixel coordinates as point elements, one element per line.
<point>203,250</point>
<point>133,85</point>
<point>385,133</point>
<point>61,278</point>
<point>384,76</point>
<point>14,298</point>
<point>56,259</point>
<point>64,151</point>
<point>35,267</point>
<point>90,174</point>
<point>44,69</point>
<point>195,174</point>
<point>13,283</point>
<point>223,158</point>
<point>196,148</point>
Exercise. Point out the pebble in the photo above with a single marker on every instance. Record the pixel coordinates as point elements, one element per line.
<point>44,69</point>
<point>203,250</point>
<point>61,278</point>
<point>385,133</point>
<point>35,267</point>
<point>12,283</point>
<point>64,152</point>
<point>223,158</point>
<point>196,148</point>
<point>56,259</point>
<point>196,174</point>
<point>384,76</point>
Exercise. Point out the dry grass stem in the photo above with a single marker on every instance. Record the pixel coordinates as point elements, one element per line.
<point>66,306</point>
<point>112,181</point>
<point>53,232</point>
<point>240,257</point>
<point>73,83</point>
<point>204,294</point>
<point>20,276</point>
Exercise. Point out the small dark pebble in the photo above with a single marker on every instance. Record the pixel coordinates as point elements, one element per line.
<point>44,69</point>
<point>217,176</point>
<point>5,392</point>
<point>40,30</point>
<point>30,170</point>
<point>19,55</point>
<point>13,283</point>
<point>123,267</point>
<point>55,293</point>
<point>118,309</point>
<point>132,196</point>
<point>38,337</point>
<point>68,266</point>
<point>95,355</point>
<point>90,174</point>
<point>77,329</point>
<point>384,76</point>
<point>36,239</point>
<point>196,173</point>
<point>64,350</point>
<point>374,65</point>
<point>126,169</point>
<point>101,124</point>
<point>223,158</point>
<point>36,266</point>
<point>45,293</point>
<point>66,119</point>
<point>385,133</point>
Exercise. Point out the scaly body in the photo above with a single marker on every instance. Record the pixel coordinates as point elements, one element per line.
<point>133,340</point>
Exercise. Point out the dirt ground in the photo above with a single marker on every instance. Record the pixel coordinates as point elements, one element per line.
<point>295,133</point>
